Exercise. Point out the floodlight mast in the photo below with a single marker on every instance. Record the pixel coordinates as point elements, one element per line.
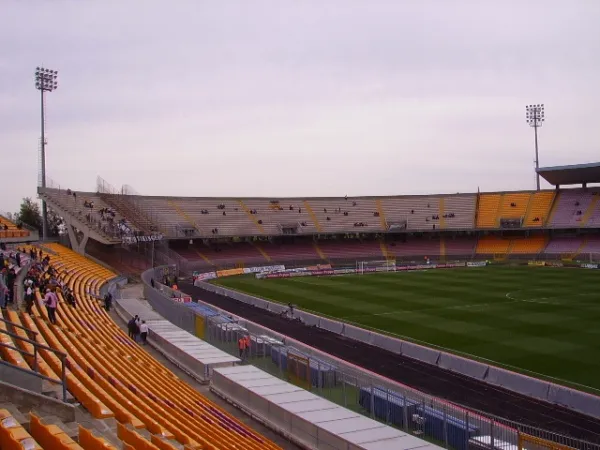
<point>534,115</point>
<point>45,81</point>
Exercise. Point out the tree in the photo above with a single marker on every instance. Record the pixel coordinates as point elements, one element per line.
<point>30,214</point>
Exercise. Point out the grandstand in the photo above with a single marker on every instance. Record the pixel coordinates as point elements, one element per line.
<point>111,376</point>
<point>11,232</point>
<point>131,233</point>
<point>226,232</point>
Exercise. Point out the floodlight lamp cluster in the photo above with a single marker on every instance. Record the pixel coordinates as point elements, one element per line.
<point>45,79</point>
<point>534,115</point>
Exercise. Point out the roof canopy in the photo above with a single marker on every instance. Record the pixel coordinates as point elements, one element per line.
<point>574,174</point>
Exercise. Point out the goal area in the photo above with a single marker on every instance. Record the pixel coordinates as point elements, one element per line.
<point>387,265</point>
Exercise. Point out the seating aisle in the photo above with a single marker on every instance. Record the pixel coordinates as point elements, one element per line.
<point>112,376</point>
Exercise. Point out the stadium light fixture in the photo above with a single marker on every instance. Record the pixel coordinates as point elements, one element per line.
<point>45,81</point>
<point>534,115</point>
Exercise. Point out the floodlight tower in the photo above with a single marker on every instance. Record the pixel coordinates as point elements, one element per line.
<point>534,114</point>
<point>45,81</point>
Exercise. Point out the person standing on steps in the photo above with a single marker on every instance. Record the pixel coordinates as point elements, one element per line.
<point>51,301</point>
<point>108,301</point>
<point>29,299</point>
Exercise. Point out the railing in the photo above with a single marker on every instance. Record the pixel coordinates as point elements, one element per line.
<point>432,419</point>
<point>36,348</point>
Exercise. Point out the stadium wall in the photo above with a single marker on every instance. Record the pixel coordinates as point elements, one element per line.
<point>160,298</point>
<point>539,389</point>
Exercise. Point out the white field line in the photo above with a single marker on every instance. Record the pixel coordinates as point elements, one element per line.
<point>544,300</point>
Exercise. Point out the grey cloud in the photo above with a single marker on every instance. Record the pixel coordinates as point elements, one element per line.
<point>298,98</point>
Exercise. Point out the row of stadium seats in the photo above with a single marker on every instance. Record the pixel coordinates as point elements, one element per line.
<point>496,245</point>
<point>112,376</point>
<point>14,436</point>
<point>214,217</point>
<point>9,229</point>
<point>328,250</point>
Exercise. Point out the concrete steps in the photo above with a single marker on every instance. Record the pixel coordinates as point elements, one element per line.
<point>106,428</point>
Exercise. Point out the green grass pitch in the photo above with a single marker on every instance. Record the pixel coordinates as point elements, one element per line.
<point>532,319</point>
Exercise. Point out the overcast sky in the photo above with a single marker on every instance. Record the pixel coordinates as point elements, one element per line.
<point>297,97</point>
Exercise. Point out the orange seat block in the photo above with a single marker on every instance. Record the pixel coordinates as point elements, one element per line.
<point>90,442</point>
<point>50,436</point>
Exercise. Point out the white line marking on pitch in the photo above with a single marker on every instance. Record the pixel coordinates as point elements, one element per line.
<point>542,300</point>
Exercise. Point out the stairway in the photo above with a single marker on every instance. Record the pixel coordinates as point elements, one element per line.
<point>441,214</point>
<point>590,210</point>
<point>101,431</point>
<point>313,216</point>
<point>261,250</point>
<point>381,212</point>
<point>384,250</point>
<point>252,217</point>
<point>553,208</point>
<point>130,212</point>
<point>320,252</point>
<point>204,257</point>
<point>183,214</point>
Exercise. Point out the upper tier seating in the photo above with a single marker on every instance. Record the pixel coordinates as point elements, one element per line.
<point>226,217</point>
<point>104,223</point>
<point>353,214</point>
<point>9,230</point>
<point>539,209</point>
<point>112,376</point>
<point>261,216</point>
<point>514,205</point>
<point>488,210</point>
<point>425,212</point>
<point>593,219</point>
<point>571,207</point>
<point>235,222</point>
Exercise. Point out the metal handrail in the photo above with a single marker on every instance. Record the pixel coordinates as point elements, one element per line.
<point>36,345</point>
<point>35,333</point>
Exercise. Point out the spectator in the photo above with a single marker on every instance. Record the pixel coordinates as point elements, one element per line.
<point>131,327</point>
<point>29,300</point>
<point>3,289</point>
<point>242,346</point>
<point>51,302</point>
<point>108,301</point>
<point>143,332</point>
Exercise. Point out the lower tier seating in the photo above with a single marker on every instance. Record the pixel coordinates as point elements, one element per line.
<point>113,377</point>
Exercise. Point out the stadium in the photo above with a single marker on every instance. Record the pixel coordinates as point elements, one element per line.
<point>508,321</point>
<point>248,296</point>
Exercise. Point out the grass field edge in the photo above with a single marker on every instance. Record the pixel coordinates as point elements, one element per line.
<point>537,375</point>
